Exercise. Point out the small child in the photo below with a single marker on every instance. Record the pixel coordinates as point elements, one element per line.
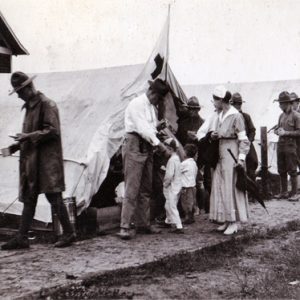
<point>189,172</point>
<point>172,187</point>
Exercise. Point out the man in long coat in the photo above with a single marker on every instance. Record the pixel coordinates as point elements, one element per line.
<point>41,161</point>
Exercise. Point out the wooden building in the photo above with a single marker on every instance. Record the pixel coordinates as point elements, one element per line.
<point>9,45</point>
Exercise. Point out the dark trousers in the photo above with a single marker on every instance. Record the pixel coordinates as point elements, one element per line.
<point>188,201</point>
<point>58,207</point>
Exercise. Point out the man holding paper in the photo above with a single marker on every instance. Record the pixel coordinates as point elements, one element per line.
<point>41,160</point>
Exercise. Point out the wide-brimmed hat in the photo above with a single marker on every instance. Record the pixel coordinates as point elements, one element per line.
<point>159,86</point>
<point>237,98</point>
<point>19,80</point>
<point>284,97</point>
<point>294,97</point>
<point>220,91</point>
<point>193,103</point>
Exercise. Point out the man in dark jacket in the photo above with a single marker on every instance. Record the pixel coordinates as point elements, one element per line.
<point>41,161</point>
<point>189,120</point>
<point>251,158</point>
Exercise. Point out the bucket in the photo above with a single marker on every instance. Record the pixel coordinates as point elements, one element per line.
<point>70,204</point>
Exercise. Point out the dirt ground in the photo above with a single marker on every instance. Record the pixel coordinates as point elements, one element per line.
<point>42,270</point>
<point>265,268</point>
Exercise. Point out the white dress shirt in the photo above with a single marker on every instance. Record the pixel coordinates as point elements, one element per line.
<point>140,117</point>
<point>189,172</point>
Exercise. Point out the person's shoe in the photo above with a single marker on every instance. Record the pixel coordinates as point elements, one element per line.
<point>148,230</point>
<point>66,240</point>
<point>17,242</point>
<point>124,234</point>
<point>231,229</point>
<point>177,230</point>
<point>294,198</point>
<point>284,195</point>
<point>222,227</point>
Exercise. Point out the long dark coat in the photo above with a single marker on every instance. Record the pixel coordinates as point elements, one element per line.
<point>41,157</point>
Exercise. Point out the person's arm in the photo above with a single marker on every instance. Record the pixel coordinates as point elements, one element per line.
<point>14,148</point>
<point>292,133</point>
<point>138,116</point>
<point>250,129</point>
<point>50,126</point>
<point>244,144</point>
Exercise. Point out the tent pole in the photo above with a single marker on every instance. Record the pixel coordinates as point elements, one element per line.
<point>168,35</point>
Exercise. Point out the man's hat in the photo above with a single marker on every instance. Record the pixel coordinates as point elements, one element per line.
<point>236,98</point>
<point>294,97</point>
<point>193,103</point>
<point>159,86</point>
<point>284,97</point>
<point>19,80</point>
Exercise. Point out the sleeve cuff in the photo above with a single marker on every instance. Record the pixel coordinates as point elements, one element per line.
<point>155,141</point>
<point>242,156</point>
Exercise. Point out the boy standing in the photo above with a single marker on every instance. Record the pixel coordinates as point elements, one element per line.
<point>189,172</point>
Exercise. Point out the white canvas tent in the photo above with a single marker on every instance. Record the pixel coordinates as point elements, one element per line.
<point>92,105</point>
<point>92,124</point>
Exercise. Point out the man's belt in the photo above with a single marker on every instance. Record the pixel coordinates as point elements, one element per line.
<point>144,145</point>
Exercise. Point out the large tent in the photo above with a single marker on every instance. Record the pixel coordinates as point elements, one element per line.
<point>92,124</point>
<point>92,105</point>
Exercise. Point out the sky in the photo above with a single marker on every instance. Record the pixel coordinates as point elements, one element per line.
<point>211,41</point>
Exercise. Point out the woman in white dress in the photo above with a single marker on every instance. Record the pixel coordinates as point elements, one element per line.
<point>228,204</point>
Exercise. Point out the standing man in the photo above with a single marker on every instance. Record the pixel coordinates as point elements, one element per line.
<point>189,120</point>
<point>288,129</point>
<point>296,107</point>
<point>41,161</point>
<point>251,158</point>
<point>140,139</point>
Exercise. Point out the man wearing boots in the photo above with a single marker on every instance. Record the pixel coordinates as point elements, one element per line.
<point>288,130</point>
<point>41,161</point>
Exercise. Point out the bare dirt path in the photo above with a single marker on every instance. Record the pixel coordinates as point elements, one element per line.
<point>35,271</point>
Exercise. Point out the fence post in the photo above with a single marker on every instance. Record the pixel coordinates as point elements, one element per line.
<point>264,162</point>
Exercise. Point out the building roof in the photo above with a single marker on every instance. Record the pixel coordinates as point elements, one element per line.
<point>15,45</point>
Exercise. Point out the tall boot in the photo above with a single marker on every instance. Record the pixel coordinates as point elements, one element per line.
<point>59,207</point>
<point>283,182</point>
<point>294,182</point>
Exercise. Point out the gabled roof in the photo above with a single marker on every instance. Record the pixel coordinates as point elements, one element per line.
<point>16,47</point>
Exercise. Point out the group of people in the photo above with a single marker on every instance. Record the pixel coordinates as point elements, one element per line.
<point>187,170</point>
<point>203,168</point>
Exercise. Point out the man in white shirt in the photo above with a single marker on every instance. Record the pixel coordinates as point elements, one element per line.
<point>140,139</point>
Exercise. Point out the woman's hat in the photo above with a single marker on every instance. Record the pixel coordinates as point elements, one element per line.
<point>220,91</point>
<point>19,80</point>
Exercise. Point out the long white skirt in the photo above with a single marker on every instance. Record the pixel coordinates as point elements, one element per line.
<point>227,203</point>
